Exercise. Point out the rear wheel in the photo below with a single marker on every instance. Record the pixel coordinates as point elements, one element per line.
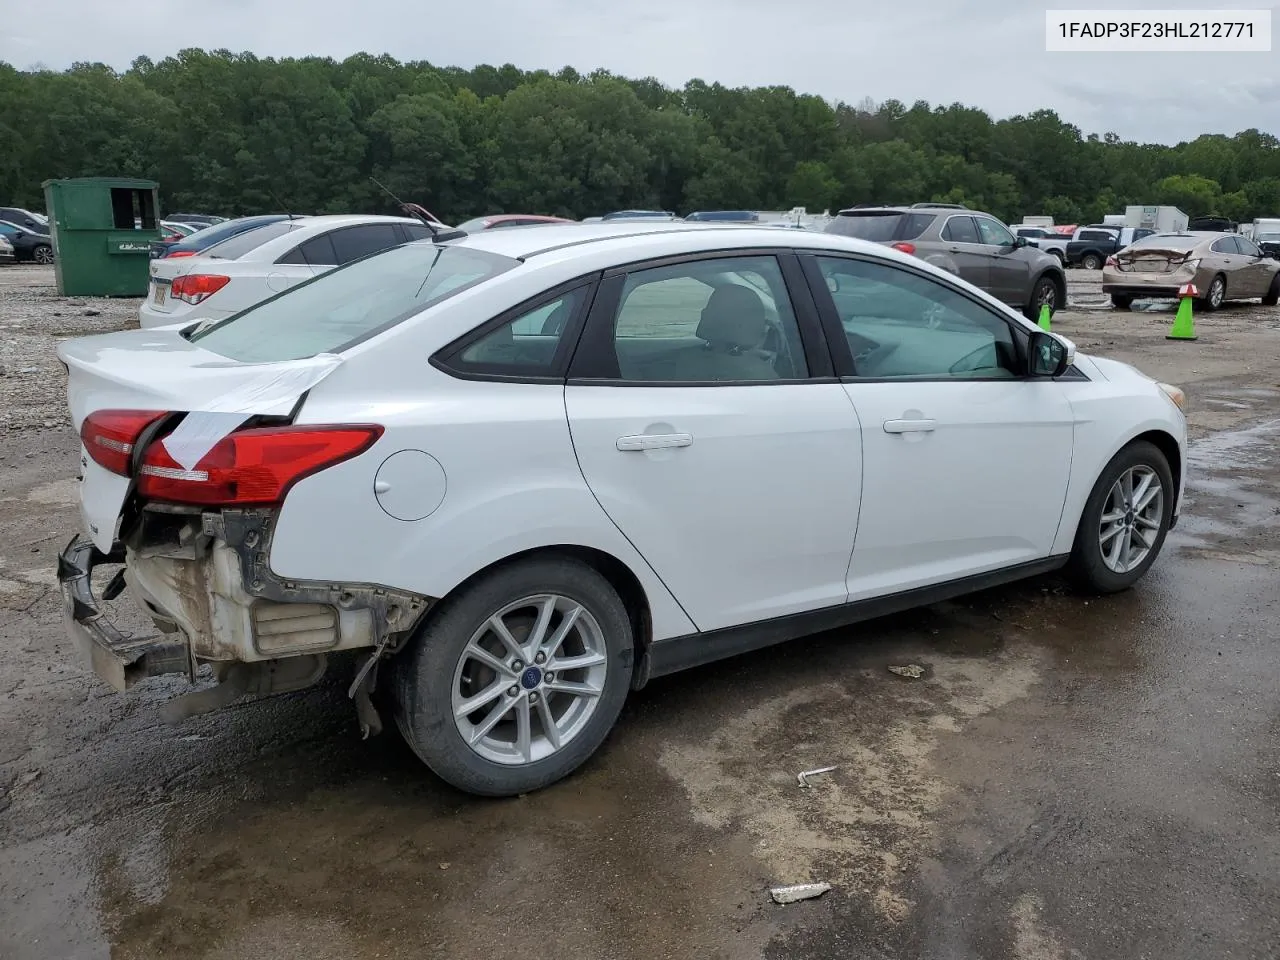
<point>1091,261</point>
<point>1121,302</point>
<point>515,681</point>
<point>1125,520</point>
<point>43,254</point>
<point>1216,293</point>
<point>1273,295</point>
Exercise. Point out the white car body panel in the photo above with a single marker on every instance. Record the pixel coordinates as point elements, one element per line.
<point>937,503</point>
<point>1019,455</point>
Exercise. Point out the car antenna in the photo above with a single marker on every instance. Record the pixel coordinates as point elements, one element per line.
<point>280,203</point>
<point>429,219</point>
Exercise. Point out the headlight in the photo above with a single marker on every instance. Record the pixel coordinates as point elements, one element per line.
<point>1173,393</point>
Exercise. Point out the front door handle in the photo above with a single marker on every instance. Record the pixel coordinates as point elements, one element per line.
<point>909,426</point>
<point>654,441</point>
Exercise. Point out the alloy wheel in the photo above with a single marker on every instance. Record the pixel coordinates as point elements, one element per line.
<point>1217,291</point>
<point>529,679</point>
<point>1131,518</point>
<point>43,255</point>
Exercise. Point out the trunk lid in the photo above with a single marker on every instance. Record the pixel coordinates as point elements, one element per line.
<point>159,369</point>
<point>1151,260</point>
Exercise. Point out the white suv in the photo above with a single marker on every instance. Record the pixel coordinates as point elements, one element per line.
<point>525,472</point>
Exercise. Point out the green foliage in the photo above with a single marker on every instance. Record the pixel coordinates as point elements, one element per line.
<point>235,134</point>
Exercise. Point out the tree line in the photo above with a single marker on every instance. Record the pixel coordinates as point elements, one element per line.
<point>236,134</point>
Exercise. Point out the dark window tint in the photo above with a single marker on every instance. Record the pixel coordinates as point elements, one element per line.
<point>961,230</point>
<point>352,243</point>
<point>880,227</point>
<point>901,325</point>
<point>1225,245</point>
<point>415,231</point>
<point>251,240</point>
<point>1248,247</point>
<point>316,252</point>
<point>526,345</point>
<point>1096,235</point>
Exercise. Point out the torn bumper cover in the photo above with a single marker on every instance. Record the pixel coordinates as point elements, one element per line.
<point>118,659</point>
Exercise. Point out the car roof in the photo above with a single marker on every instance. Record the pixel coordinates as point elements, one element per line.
<point>304,228</point>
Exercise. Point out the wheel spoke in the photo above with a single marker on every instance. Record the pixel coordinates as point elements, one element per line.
<point>1113,555</point>
<point>548,722</point>
<point>1126,552</point>
<point>496,664</point>
<point>1147,498</point>
<point>576,689</point>
<point>524,732</point>
<point>500,630</point>
<point>1140,537</point>
<point>1140,492</point>
<point>491,721</point>
<point>579,662</point>
<point>1147,522</point>
<point>1115,516</point>
<point>487,695</point>
<point>539,631</point>
<point>562,631</point>
<point>1106,537</point>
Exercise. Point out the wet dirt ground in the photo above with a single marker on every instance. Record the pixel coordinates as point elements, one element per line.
<point>1071,777</point>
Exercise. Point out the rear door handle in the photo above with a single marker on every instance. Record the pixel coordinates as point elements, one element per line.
<point>909,426</point>
<point>654,441</point>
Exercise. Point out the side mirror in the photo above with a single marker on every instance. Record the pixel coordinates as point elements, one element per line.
<point>1021,242</point>
<point>1050,355</point>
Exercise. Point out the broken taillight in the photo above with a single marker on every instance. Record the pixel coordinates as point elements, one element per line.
<point>197,287</point>
<point>254,467</point>
<point>110,435</point>
<point>1112,262</point>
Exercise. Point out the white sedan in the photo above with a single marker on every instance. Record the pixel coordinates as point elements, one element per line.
<point>528,471</point>
<point>256,264</point>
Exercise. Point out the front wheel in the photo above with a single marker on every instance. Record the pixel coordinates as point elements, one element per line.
<point>1044,294</point>
<point>1125,520</point>
<point>515,681</point>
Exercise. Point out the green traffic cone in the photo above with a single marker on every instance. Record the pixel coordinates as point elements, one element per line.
<point>1044,316</point>
<point>1184,327</point>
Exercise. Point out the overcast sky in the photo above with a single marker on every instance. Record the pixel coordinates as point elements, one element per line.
<point>985,53</point>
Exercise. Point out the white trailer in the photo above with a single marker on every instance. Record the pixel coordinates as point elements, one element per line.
<point>1115,220</point>
<point>1159,219</point>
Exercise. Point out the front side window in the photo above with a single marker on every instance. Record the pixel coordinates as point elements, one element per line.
<point>352,243</point>
<point>994,233</point>
<point>344,306</point>
<point>902,325</point>
<point>961,230</point>
<point>708,321</point>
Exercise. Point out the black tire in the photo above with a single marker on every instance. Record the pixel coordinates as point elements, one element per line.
<point>1091,261</point>
<point>1121,302</point>
<point>42,254</point>
<point>1044,290</point>
<point>1087,568</point>
<point>423,675</point>
<point>1206,303</point>
<point>1273,295</point>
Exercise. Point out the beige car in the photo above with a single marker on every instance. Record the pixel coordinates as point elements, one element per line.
<point>1222,266</point>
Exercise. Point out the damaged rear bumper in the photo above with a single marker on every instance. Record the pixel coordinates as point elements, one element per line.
<point>118,659</point>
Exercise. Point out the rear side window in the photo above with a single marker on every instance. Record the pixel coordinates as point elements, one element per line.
<point>1096,235</point>
<point>340,308</point>
<point>415,231</point>
<point>527,345</point>
<point>880,227</point>
<point>1225,245</point>
<point>250,240</point>
<point>316,252</point>
<point>961,230</point>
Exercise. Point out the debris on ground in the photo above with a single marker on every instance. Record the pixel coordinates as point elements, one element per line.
<point>803,778</point>
<point>800,891</point>
<point>912,671</point>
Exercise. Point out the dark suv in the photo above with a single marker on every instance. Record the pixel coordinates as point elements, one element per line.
<point>973,245</point>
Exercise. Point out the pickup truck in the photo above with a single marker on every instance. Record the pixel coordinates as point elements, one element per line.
<point>1091,245</point>
<point>1047,240</point>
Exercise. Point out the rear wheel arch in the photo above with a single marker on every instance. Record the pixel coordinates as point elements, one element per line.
<point>615,571</point>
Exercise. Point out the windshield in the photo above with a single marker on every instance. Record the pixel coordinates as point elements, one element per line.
<point>340,308</point>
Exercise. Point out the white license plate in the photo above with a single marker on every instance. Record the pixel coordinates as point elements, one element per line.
<point>158,297</point>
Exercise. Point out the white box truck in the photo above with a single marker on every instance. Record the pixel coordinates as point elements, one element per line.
<point>1114,220</point>
<point>1159,219</point>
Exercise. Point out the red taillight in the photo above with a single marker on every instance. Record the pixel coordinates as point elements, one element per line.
<point>1112,262</point>
<point>175,254</point>
<point>195,287</point>
<point>110,435</point>
<point>253,467</point>
<point>905,247</point>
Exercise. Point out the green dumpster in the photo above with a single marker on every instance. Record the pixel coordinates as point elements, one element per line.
<point>102,228</point>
